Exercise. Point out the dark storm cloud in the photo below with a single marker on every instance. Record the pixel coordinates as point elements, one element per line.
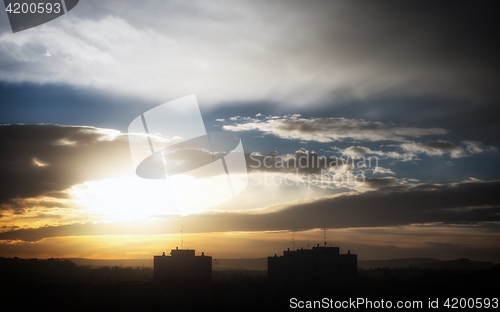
<point>465,203</point>
<point>47,159</point>
<point>387,205</point>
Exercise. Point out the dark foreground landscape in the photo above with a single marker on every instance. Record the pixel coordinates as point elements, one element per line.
<point>61,284</point>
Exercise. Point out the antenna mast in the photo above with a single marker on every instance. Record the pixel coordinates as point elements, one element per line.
<point>182,237</point>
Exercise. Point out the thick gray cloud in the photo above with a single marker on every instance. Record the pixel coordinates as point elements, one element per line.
<point>286,51</point>
<point>47,159</point>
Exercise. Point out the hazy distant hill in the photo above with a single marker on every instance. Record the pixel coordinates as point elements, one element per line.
<point>244,264</point>
<point>459,264</point>
<point>394,263</point>
<point>426,263</point>
<point>421,263</point>
<point>112,263</point>
<point>222,264</point>
<point>260,264</point>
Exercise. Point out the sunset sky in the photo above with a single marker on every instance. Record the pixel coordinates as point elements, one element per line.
<point>413,87</point>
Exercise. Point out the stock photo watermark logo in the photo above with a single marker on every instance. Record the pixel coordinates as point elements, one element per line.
<point>28,14</point>
<point>198,170</point>
<point>309,170</point>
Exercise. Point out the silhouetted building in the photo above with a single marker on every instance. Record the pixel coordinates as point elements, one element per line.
<point>312,268</point>
<point>183,268</point>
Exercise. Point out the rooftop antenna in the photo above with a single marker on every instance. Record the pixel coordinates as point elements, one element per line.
<point>307,243</point>
<point>293,241</point>
<point>324,235</point>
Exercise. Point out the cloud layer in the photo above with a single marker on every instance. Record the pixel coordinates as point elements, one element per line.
<point>465,203</point>
<point>244,51</point>
<point>43,162</point>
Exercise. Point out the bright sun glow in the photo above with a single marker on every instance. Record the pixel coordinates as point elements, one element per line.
<point>129,198</point>
<point>133,198</point>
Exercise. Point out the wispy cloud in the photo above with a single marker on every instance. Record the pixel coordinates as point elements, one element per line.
<point>440,148</point>
<point>476,147</point>
<point>357,151</point>
<point>381,170</point>
<point>435,148</point>
<point>325,130</point>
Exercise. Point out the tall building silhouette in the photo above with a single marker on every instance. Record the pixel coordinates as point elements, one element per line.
<point>312,268</point>
<point>183,268</point>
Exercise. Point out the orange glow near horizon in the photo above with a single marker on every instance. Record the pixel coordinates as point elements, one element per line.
<point>368,243</point>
